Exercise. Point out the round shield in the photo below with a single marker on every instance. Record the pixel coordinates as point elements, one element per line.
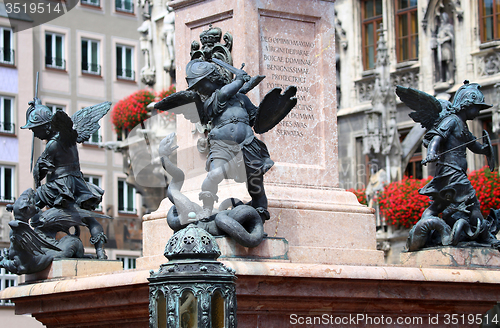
<point>274,107</point>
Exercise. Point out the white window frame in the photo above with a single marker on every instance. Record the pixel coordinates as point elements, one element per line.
<point>129,262</point>
<point>121,71</point>
<point>11,128</point>
<point>7,280</point>
<point>120,6</point>
<point>54,107</point>
<point>89,69</point>
<point>53,63</point>
<point>126,206</point>
<point>95,138</point>
<point>97,180</point>
<point>95,3</point>
<point>2,46</point>
<point>3,185</point>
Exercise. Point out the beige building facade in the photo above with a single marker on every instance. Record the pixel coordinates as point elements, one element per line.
<point>87,56</point>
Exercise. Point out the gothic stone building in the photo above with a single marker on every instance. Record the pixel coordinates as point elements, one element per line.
<point>430,45</point>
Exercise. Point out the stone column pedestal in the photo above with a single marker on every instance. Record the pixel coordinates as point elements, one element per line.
<point>291,42</point>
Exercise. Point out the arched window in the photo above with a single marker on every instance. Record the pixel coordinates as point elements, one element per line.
<point>188,310</point>
<point>218,310</point>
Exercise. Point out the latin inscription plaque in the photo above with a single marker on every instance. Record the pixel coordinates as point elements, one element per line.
<point>289,57</point>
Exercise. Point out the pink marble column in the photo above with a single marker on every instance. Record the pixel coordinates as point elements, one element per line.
<point>292,42</point>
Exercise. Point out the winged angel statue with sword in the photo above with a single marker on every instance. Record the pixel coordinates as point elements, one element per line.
<point>454,215</point>
<point>234,151</point>
<point>69,198</point>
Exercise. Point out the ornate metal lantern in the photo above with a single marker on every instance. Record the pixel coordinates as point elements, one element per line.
<point>193,289</point>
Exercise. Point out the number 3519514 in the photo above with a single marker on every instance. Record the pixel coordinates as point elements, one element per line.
<point>32,8</point>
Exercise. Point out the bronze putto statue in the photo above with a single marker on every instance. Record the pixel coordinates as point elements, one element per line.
<point>454,216</point>
<point>69,199</point>
<point>234,152</point>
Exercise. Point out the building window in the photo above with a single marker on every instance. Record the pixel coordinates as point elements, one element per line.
<point>54,51</point>
<point>6,115</point>
<point>128,262</point>
<point>6,46</point>
<point>122,135</point>
<point>124,5</point>
<point>414,168</point>
<point>90,57</point>
<point>55,108</point>
<point>406,30</point>
<point>7,184</point>
<point>96,3</point>
<point>489,19</point>
<point>126,197</point>
<point>7,280</point>
<point>124,61</point>
<point>95,138</point>
<point>371,12</point>
<point>96,180</point>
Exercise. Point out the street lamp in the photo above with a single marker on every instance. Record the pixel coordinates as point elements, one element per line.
<point>193,289</point>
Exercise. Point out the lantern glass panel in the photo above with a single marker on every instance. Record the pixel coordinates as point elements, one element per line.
<point>161,310</point>
<point>218,310</point>
<point>188,310</point>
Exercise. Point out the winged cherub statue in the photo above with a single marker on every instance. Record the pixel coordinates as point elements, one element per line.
<point>59,163</point>
<point>33,242</point>
<point>451,192</point>
<point>234,150</point>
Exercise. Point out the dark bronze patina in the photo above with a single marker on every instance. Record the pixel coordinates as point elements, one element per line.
<point>71,200</point>
<point>454,217</point>
<point>234,152</point>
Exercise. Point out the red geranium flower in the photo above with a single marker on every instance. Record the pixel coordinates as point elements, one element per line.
<point>132,110</point>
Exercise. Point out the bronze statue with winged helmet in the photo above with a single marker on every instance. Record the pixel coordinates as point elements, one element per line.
<point>234,151</point>
<point>69,200</point>
<point>59,163</point>
<point>454,215</point>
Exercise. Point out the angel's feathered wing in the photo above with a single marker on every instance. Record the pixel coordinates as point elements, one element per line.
<point>182,103</point>
<point>427,109</point>
<point>86,120</point>
<point>62,219</point>
<point>26,239</point>
<point>273,108</point>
